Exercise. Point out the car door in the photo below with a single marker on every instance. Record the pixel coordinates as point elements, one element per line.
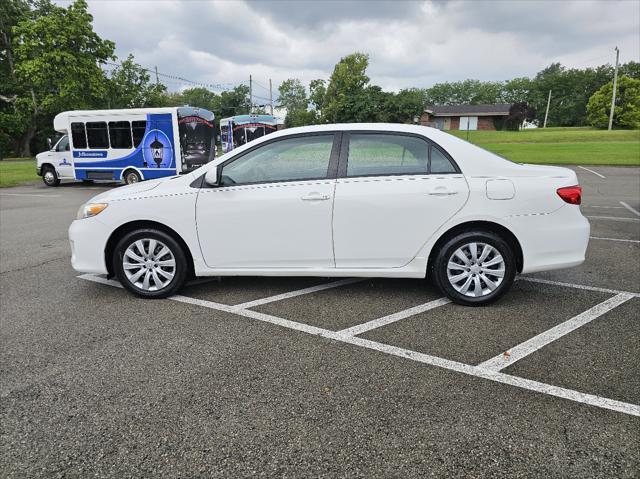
<point>273,208</point>
<point>393,192</point>
<point>61,158</point>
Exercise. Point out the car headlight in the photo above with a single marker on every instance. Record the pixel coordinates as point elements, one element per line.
<point>91,209</point>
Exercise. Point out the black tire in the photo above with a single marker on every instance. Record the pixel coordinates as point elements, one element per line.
<point>49,176</point>
<point>463,240</point>
<point>179,272</point>
<point>131,177</point>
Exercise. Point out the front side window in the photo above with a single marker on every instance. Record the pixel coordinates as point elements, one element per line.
<point>78,135</point>
<point>63,144</point>
<point>120,134</point>
<point>382,154</point>
<point>97,136</point>
<point>292,159</point>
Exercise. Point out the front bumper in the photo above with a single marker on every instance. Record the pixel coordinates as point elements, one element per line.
<point>88,238</point>
<point>39,170</point>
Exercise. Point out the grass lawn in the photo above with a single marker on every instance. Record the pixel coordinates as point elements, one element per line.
<point>17,171</point>
<point>576,146</point>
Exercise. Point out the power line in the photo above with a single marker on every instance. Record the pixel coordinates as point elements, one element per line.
<point>213,86</point>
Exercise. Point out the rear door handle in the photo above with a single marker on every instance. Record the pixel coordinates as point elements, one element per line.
<point>443,193</point>
<point>315,197</point>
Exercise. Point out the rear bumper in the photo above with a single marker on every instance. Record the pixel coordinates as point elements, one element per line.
<point>552,241</point>
<point>88,238</point>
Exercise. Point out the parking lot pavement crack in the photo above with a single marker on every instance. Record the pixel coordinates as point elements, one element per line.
<point>42,263</point>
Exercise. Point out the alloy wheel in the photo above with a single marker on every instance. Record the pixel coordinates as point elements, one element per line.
<point>149,264</point>
<point>476,269</point>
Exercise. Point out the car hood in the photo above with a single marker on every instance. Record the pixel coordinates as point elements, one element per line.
<point>129,190</point>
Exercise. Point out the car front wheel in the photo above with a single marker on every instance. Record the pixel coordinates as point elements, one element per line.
<point>49,176</point>
<point>150,263</point>
<point>475,268</point>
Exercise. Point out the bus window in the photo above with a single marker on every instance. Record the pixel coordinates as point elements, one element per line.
<point>97,135</point>
<point>78,135</point>
<point>120,134</point>
<point>138,128</point>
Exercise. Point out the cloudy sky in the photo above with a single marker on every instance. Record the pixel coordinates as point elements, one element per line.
<point>415,43</point>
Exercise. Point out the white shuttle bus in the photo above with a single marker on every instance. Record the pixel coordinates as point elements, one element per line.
<point>128,145</point>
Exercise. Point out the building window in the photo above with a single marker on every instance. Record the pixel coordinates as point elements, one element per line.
<point>468,123</point>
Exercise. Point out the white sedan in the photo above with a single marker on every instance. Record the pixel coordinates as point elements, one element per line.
<point>372,200</point>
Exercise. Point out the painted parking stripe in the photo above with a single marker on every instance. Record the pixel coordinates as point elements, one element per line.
<point>496,376</point>
<point>576,286</point>
<point>615,239</point>
<point>29,194</point>
<point>299,292</point>
<point>530,346</point>
<point>613,218</point>
<point>591,171</point>
<point>392,318</point>
<point>630,208</point>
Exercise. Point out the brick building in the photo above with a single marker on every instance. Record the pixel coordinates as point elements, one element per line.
<point>463,117</point>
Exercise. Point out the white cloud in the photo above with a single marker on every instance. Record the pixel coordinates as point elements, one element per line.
<point>410,43</point>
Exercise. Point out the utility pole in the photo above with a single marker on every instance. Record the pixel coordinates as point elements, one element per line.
<point>250,94</point>
<point>271,96</point>
<point>157,80</point>
<point>546,113</point>
<point>615,83</point>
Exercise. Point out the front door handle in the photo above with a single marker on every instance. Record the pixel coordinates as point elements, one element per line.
<point>315,197</point>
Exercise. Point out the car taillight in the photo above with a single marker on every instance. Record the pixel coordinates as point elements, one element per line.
<point>571,194</point>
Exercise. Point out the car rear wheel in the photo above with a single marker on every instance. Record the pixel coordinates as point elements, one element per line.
<point>49,176</point>
<point>475,268</point>
<point>150,263</point>
<point>131,176</point>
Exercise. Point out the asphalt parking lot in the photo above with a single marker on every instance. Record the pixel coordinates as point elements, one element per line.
<point>313,377</point>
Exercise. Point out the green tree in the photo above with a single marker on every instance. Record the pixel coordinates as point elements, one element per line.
<point>626,113</point>
<point>317,94</point>
<point>346,89</point>
<point>57,63</point>
<point>292,95</point>
<point>129,86</point>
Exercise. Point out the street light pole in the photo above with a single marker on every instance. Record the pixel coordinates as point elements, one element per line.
<point>615,84</point>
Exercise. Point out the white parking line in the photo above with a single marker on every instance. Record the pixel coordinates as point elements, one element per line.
<point>577,286</point>
<point>29,194</point>
<point>392,318</point>
<point>613,218</point>
<point>615,239</point>
<point>591,171</point>
<point>633,210</point>
<point>524,349</point>
<point>496,376</point>
<point>300,292</point>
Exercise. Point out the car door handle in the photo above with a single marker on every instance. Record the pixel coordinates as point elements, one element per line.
<point>442,193</point>
<point>315,197</point>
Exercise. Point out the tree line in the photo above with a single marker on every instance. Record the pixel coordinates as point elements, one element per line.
<point>348,96</point>
<point>51,60</point>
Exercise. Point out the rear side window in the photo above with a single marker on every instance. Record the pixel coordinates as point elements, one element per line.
<point>440,163</point>
<point>97,135</point>
<point>78,135</point>
<point>381,154</point>
<point>120,134</point>
<point>138,128</point>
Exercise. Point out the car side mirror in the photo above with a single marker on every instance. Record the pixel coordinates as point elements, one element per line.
<point>49,143</point>
<point>212,177</point>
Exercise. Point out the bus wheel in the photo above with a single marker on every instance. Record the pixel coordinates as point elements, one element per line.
<point>50,177</point>
<point>130,177</point>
